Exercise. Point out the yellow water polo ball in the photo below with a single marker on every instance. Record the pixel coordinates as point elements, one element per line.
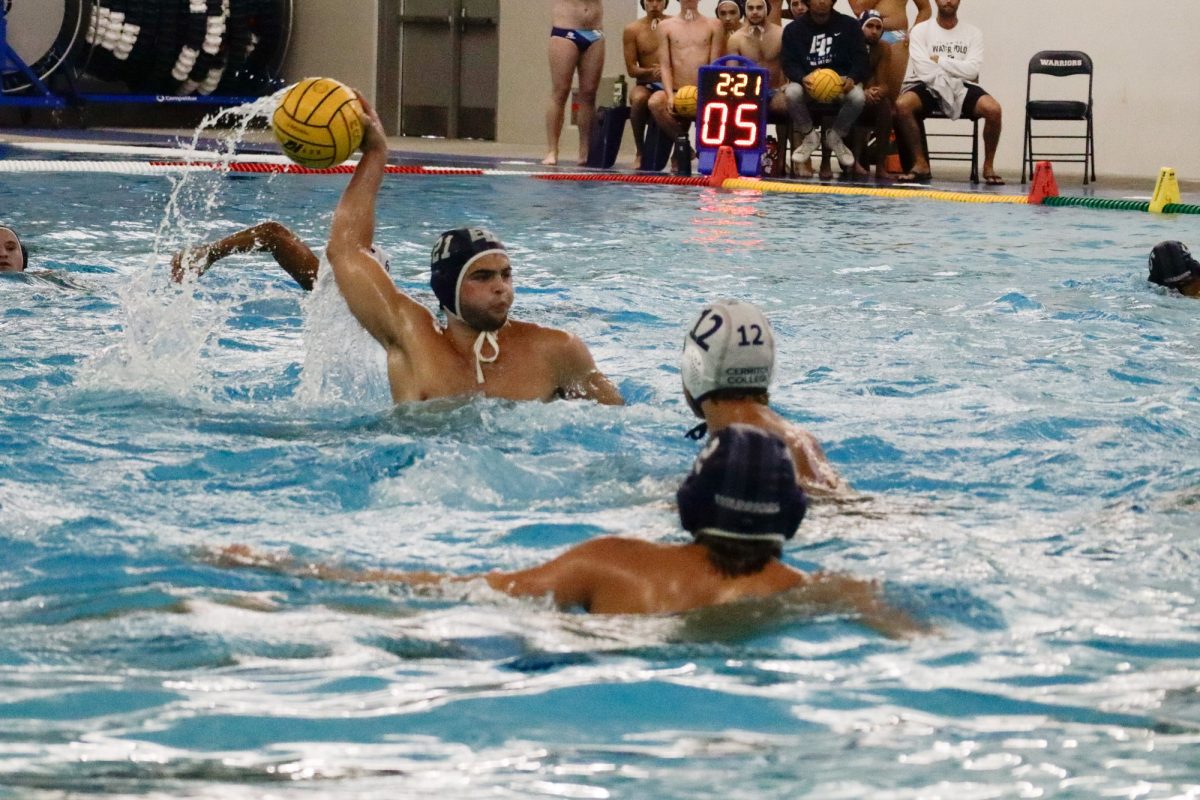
<point>685,101</point>
<point>825,85</point>
<point>319,123</point>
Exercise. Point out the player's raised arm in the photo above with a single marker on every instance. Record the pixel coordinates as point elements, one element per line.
<point>374,300</point>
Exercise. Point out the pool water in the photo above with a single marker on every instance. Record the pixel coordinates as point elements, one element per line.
<point>1014,404</point>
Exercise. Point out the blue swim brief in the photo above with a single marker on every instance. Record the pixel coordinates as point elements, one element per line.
<point>581,37</point>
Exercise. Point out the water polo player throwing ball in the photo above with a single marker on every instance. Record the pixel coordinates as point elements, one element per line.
<point>479,349</point>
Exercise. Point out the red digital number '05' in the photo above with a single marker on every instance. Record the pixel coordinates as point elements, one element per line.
<point>716,124</point>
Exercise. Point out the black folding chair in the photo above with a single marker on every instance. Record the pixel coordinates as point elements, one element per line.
<point>944,151</point>
<point>1059,64</point>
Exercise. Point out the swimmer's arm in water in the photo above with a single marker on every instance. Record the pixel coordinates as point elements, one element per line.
<point>381,308</point>
<point>579,377</point>
<point>815,473</point>
<point>296,258</point>
<point>843,593</point>
<point>566,578</point>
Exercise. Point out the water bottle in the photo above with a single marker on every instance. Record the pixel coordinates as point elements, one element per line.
<point>683,156</point>
<point>619,92</point>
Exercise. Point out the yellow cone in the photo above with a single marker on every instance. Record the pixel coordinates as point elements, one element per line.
<point>1166,191</point>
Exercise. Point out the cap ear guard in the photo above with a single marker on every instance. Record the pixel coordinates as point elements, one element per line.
<point>381,256</point>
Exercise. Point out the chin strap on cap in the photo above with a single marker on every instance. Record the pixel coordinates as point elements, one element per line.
<point>484,339</point>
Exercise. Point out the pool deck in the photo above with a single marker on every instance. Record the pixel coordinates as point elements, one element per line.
<point>431,151</point>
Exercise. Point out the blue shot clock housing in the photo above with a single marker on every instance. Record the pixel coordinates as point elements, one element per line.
<point>731,110</point>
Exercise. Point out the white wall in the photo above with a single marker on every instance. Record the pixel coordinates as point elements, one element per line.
<point>1146,54</point>
<point>1147,75</point>
<point>337,39</point>
<point>525,71</point>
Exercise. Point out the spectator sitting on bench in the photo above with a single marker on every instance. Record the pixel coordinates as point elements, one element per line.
<point>824,38</point>
<point>686,43</point>
<point>880,92</point>
<point>944,58</point>
<point>640,40</point>
<point>730,14</point>
<point>761,41</point>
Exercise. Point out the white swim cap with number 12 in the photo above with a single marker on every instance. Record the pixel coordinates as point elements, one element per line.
<point>730,346</point>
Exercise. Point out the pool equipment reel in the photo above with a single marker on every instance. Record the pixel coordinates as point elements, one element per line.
<point>36,37</point>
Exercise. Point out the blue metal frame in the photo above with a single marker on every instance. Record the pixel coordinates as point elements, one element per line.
<point>8,57</point>
<point>748,160</point>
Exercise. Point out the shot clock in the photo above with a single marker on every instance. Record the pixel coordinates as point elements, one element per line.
<point>731,110</point>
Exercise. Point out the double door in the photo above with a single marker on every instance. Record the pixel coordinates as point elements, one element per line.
<point>449,58</point>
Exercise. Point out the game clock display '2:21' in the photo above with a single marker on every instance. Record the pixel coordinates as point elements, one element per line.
<point>731,107</point>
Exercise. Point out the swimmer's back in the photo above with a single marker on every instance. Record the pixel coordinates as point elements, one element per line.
<point>617,575</point>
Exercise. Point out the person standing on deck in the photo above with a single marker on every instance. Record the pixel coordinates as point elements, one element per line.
<point>576,47</point>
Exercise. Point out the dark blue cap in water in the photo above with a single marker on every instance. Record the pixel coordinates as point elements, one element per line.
<point>1172,264</point>
<point>455,251</point>
<point>742,486</point>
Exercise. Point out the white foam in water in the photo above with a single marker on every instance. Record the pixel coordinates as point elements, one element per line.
<point>342,363</point>
<point>161,345</point>
<point>195,195</point>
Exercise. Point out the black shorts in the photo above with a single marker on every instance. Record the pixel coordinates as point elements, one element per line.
<point>930,102</point>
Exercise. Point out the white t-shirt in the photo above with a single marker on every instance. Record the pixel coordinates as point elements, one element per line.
<point>959,51</point>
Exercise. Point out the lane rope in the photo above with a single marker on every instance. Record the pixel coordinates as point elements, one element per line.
<point>208,161</point>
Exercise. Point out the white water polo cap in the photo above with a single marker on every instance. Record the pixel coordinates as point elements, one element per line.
<point>381,256</point>
<point>730,346</point>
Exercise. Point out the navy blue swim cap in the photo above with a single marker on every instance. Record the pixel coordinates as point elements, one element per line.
<point>455,251</point>
<point>742,486</point>
<point>1172,264</point>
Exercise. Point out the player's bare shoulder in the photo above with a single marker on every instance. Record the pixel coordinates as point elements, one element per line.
<point>669,26</point>
<point>548,342</point>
